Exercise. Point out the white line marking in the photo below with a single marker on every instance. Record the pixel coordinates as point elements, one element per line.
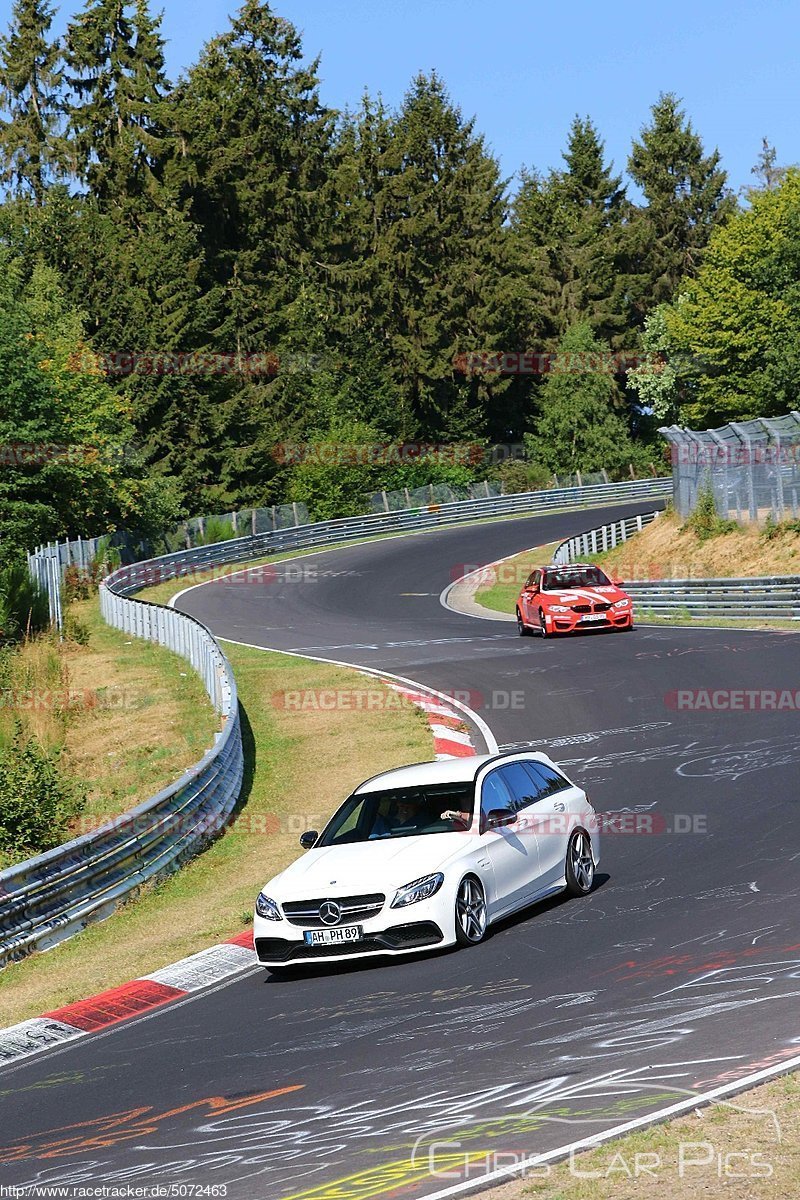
<point>450,735</point>
<point>464,578</point>
<point>491,741</point>
<point>589,1143</point>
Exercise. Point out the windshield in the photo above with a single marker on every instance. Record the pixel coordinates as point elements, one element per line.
<point>401,812</point>
<point>574,577</point>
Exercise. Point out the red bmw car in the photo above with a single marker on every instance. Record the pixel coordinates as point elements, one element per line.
<point>576,596</point>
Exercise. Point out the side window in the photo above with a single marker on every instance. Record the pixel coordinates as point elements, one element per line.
<point>494,794</point>
<point>533,580</point>
<point>547,781</point>
<point>519,783</point>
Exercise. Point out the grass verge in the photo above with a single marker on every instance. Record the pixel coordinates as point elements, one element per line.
<point>730,1149</point>
<point>120,717</point>
<point>668,548</point>
<point>665,549</point>
<point>504,581</point>
<point>145,717</point>
<point>291,783</point>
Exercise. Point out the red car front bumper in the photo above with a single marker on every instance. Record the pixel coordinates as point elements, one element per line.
<point>571,622</point>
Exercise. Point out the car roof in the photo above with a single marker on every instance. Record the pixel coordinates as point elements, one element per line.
<point>445,770</point>
<point>569,567</point>
<point>564,567</point>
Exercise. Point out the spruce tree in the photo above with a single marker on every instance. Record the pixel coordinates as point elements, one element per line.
<point>766,170</point>
<point>31,86</point>
<point>115,65</point>
<point>569,229</point>
<point>686,197</point>
<point>253,143</point>
<point>429,277</point>
<point>579,428</point>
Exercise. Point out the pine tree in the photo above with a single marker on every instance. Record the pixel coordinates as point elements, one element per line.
<point>253,143</point>
<point>115,63</point>
<point>31,86</point>
<point>686,197</point>
<point>766,170</point>
<point>428,275</point>
<point>569,230</point>
<point>579,428</point>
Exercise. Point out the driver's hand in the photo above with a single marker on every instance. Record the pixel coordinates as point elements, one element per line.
<point>451,815</point>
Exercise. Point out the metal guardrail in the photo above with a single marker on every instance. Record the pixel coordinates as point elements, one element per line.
<point>766,598</point>
<point>328,533</point>
<point>56,894</point>
<point>325,533</point>
<point>775,598</point>
<point>605,537</point>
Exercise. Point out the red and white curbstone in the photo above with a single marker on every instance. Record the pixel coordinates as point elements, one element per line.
<point>199,970</point>
<point>128,1000</point>
<point>450,740</point>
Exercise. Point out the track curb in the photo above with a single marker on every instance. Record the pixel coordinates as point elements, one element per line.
<point>206,967</point>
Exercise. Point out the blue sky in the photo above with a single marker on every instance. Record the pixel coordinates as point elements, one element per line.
<point>524,68</point>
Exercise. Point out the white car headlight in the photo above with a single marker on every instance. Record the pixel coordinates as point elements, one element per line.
<point>418,889</point>
<point>265,907</point>
<point>558,608</point>
<point>620,604</point>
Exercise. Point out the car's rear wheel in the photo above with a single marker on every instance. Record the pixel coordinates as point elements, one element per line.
<point>471,915</point>
<point>542,624</point>
<point>580,864</point>
<point>522,628</point>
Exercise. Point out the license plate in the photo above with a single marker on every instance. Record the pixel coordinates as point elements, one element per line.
<point>595,617</point>
<point>332,937</point>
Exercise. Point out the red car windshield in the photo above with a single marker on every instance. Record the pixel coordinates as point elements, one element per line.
<point>564,578</point>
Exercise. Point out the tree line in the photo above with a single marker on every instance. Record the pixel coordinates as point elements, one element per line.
<point>356,257</point>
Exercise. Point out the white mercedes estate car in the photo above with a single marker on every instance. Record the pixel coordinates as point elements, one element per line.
<point>428,856</point>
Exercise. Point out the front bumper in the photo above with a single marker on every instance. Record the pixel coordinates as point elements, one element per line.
<point>572,622</point>
<point>428,924</point>
<point>398,939</point>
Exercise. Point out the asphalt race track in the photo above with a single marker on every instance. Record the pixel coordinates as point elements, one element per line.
<point>679,972</point>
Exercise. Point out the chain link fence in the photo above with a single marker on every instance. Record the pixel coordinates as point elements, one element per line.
<point>752,467</point>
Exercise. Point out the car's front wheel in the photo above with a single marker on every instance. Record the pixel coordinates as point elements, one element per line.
<point>542,624</point>
<point>471,915</point>
<point>580,864</point>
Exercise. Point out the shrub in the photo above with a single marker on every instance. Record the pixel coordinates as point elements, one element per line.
<point>37,802</point>
<point>75,630</point>
<point>23,604</point>
<point>775,529</point>
<point>77,584</point>
<point>82,582</point>
<point>517,475</point>
<point>216,529</point>
<point>705,522</point>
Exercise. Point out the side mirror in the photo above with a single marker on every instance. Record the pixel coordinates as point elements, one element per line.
<point>500,816</point>
<point>618,582</point>
<point>308,838</point>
